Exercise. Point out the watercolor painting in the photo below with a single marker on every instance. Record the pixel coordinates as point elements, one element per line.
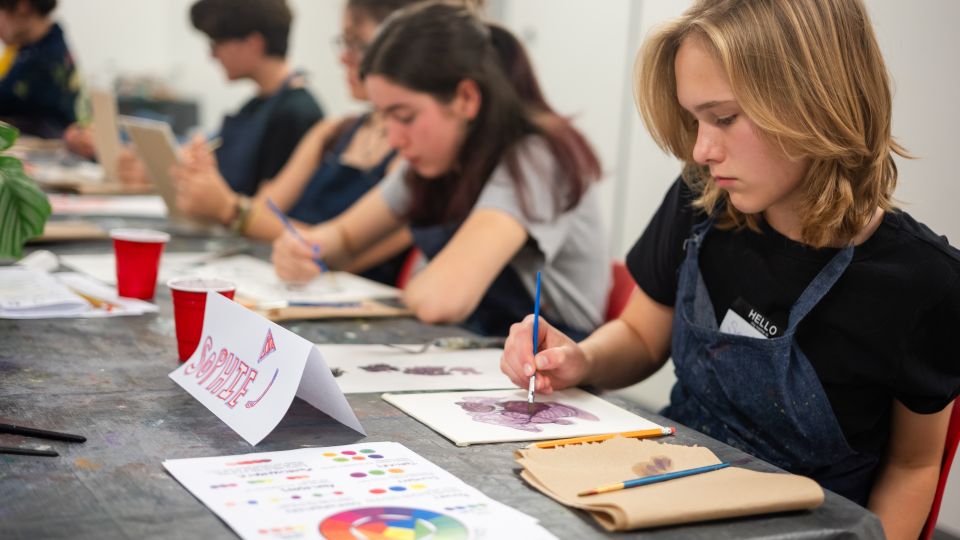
<point>421,370</point>
<point>520,415</point>
<point>381,368</point>
<point>495,416</point>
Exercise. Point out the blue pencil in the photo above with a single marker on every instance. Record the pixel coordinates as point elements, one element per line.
<point>296,234</point>
<point>536,328</point>
<point>652,479</point>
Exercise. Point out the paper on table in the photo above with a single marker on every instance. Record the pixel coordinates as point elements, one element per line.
<point>494,416</point>
<point>142,206</point>
<point>379,368</point>
<point>366,490</point>
<point>103,266</point>
<point>563,472</point>
<point>26,293</point>
<point>257,281</point>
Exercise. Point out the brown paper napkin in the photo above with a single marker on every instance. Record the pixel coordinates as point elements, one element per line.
<point>563,472</point>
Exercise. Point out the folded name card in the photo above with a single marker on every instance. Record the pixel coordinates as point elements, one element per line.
<point>247,371</point>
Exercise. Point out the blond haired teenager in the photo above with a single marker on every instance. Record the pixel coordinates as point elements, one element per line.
<point>809,320</point>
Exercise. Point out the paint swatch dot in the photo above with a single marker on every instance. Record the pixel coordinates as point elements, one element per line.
<point>397,488</point>
<point>338,493</point>
<point>377,472</point>
<point>341,459</point>
<point>295,497</point>
<point>358,475</point>
<point>329,454</point>
<point>395,471</point>
<point>375,456</point>
<point>251,502</point>
<point>378,491</point>
<point>358,458</point>
<point>367,451</point>
<point>418,486</point>
<point>348,453</point>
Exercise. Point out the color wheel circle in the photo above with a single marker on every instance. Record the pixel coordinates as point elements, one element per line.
<point>392,523</point>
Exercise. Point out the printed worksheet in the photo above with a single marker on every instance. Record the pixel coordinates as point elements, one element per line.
<point>371,490</point>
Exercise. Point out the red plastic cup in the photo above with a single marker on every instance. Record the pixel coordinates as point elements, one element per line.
<point>189,304</point>
<point>138,260</point>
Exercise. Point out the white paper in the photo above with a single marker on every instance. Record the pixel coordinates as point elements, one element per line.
<point>23,290</point>
<point>26,293</point>
<point>257,280</point>
<point>142,206</point>
<point>369,490</point>
<point>103,266</point>
<point>502,416</point>
<point>379,368</point>
<point>246,370</point>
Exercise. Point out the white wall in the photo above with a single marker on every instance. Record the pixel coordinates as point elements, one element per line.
<point>155,37</point>
<point>584,51</point>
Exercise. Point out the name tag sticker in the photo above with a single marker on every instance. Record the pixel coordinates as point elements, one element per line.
<point>743,320</point>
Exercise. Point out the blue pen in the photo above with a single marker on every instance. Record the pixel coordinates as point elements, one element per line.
<point>652,479</point>
<point>536,327</point>
<point>296,234</point>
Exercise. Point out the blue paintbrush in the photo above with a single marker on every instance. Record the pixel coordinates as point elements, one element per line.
<point>536,327</point>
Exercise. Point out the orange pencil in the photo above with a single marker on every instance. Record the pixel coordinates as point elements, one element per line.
<point>641,434</point>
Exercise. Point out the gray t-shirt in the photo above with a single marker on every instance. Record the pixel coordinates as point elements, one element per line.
<point>569,248</point>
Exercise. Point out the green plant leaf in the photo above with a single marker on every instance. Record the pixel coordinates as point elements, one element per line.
<point>24,208</point>
<point>8,135</point>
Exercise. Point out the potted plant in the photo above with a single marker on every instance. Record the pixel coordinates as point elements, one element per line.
<point>24,208</point>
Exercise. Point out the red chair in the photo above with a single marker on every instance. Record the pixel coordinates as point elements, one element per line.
<point>620,290</point>
<point>410,266</point>
<point>949,451</point>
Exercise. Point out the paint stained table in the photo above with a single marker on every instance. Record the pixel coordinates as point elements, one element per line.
<point>107,379</point>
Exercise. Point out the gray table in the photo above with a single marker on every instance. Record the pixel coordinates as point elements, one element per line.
<point>107,379</point>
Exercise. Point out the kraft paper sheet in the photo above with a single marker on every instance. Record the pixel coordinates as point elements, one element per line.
<point>563,472</point>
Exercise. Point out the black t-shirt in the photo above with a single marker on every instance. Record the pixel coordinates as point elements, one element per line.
<point>295,113</point>
<point>887,329</point>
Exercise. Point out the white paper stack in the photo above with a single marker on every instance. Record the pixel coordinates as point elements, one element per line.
<point>26,293</point>
<point>366,490</point>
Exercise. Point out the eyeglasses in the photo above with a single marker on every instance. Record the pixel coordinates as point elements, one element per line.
<point>345,45</point>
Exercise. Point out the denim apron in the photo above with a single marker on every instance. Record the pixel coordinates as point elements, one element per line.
<point>241,137</point>
<point>761,395</point>
<point>335,186</point>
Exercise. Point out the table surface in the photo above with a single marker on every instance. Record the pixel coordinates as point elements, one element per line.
<point>107,379</point>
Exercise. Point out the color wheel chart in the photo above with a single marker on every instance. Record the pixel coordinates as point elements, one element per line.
<point>392,523</point>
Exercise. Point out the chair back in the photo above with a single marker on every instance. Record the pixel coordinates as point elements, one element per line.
<point>949,452</point>
<point>620,290</point>
<point>410,266</point>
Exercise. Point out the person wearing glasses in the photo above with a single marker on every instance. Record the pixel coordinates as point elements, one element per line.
<point>249,39</point>
<point>494,185</point>
<point>337,161</point>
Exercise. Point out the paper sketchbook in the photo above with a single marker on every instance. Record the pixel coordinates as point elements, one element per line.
<point>379,368</point>
<point>498,416</point>
<point>371,490</point>
<point>562,473</point>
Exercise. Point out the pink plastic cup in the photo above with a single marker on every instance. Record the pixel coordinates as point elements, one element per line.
<point>138,260</point>
<point>189,304</point>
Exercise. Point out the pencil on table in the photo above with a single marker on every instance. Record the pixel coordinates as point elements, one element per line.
<point>640,434</point>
